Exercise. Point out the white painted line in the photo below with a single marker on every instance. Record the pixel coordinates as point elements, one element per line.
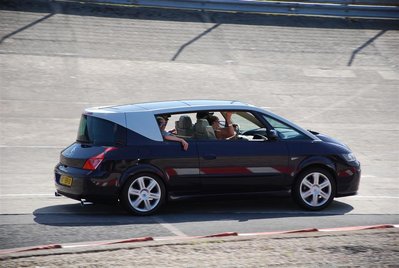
<point>22,195</point>
<point>46,101</point>
<point>77,246</point>
<point>355,196</point>
<point>248,234</point>
<point>368,176</point>
<point>329,73</point>
<point>169,227</point>
<point>34,146</point>
<point>389,75</point>
<point>374,196</point>
<point>170,238</point>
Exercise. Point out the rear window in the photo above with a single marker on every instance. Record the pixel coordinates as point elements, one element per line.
<point>97,131</point>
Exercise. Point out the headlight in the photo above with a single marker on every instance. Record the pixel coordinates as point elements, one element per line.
<point>349,157</point>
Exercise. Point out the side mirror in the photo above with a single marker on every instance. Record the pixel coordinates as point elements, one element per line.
<point>272,134</point>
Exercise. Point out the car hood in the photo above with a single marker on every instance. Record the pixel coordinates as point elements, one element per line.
<point>329,139</point>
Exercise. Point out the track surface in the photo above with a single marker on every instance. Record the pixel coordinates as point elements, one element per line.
<point>339,77</point>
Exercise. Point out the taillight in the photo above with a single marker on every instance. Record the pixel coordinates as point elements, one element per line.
<point>93,162</point>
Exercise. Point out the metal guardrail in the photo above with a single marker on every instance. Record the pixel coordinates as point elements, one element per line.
<point>347,2</point>
<point>384,9</point>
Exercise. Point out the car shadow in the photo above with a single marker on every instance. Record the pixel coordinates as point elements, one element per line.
<point>202,210</point>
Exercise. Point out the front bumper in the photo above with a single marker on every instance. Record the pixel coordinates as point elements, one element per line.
<point>348,179</point>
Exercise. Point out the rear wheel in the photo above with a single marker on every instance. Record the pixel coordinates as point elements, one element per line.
<point>314,189</point>
<point>143,194</point>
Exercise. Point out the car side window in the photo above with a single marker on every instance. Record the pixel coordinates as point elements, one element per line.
<point>284,131</point>
<point>196,126</point>
<point>180,125</point>
<point>243,125</point>
<point>246,121</point>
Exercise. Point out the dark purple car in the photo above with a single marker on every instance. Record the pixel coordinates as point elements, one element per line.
<point>120,155</point>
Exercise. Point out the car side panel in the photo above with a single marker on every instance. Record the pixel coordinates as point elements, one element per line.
<point>306,154</point>
<point>243,166</point>
<point>180,168</point>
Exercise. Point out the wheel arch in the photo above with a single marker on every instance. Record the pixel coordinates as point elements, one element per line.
<point>317,162</point>
<point>141,169</point>
<point>325,200</point>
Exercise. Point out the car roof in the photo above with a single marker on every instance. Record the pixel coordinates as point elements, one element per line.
<point>140,118</point>
<point>177,106</point>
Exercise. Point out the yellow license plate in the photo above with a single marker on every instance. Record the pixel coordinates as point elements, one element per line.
<point>66,180</point>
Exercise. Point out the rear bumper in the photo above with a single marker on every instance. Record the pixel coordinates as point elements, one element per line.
<point>89,185</point>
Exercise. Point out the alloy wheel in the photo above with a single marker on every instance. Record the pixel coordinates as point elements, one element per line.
<point>315,189</point>
<point>144,194</point>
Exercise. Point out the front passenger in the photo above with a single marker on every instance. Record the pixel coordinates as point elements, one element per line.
<point>222,133</point>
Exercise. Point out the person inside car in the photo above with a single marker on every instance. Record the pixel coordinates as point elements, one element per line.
<point>203,115</point>
<point>169,136</point>
<point>222,133</point>
<point>166,117</point>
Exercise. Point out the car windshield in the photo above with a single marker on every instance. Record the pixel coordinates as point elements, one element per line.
<point>284,131</point>
<point>97,131</point>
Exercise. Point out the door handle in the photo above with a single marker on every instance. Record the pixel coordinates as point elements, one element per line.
<point>209,156</point>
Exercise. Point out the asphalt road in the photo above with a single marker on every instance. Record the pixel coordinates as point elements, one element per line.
<point>339,77</point>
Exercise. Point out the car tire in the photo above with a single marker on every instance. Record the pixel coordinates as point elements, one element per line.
<point>314,189</point>
<point>143,194</point>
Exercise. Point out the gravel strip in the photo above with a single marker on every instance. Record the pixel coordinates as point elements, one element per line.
<point>369,248</point>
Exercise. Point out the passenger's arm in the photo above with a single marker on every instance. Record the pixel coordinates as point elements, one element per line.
<point>228,131</point>
<point>174,138</point>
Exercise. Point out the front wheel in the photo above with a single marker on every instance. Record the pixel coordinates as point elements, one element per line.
<point>143,194</point>
<point>314,189</point>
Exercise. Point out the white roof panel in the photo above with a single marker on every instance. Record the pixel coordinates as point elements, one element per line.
<point>140,117</point>
<point>170,106</point>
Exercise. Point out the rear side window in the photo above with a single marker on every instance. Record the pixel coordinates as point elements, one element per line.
<point>97,131</point>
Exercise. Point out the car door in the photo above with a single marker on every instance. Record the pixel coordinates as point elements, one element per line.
<point>242,166</point>
<point>180,167</point>
<point>249,164</point>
